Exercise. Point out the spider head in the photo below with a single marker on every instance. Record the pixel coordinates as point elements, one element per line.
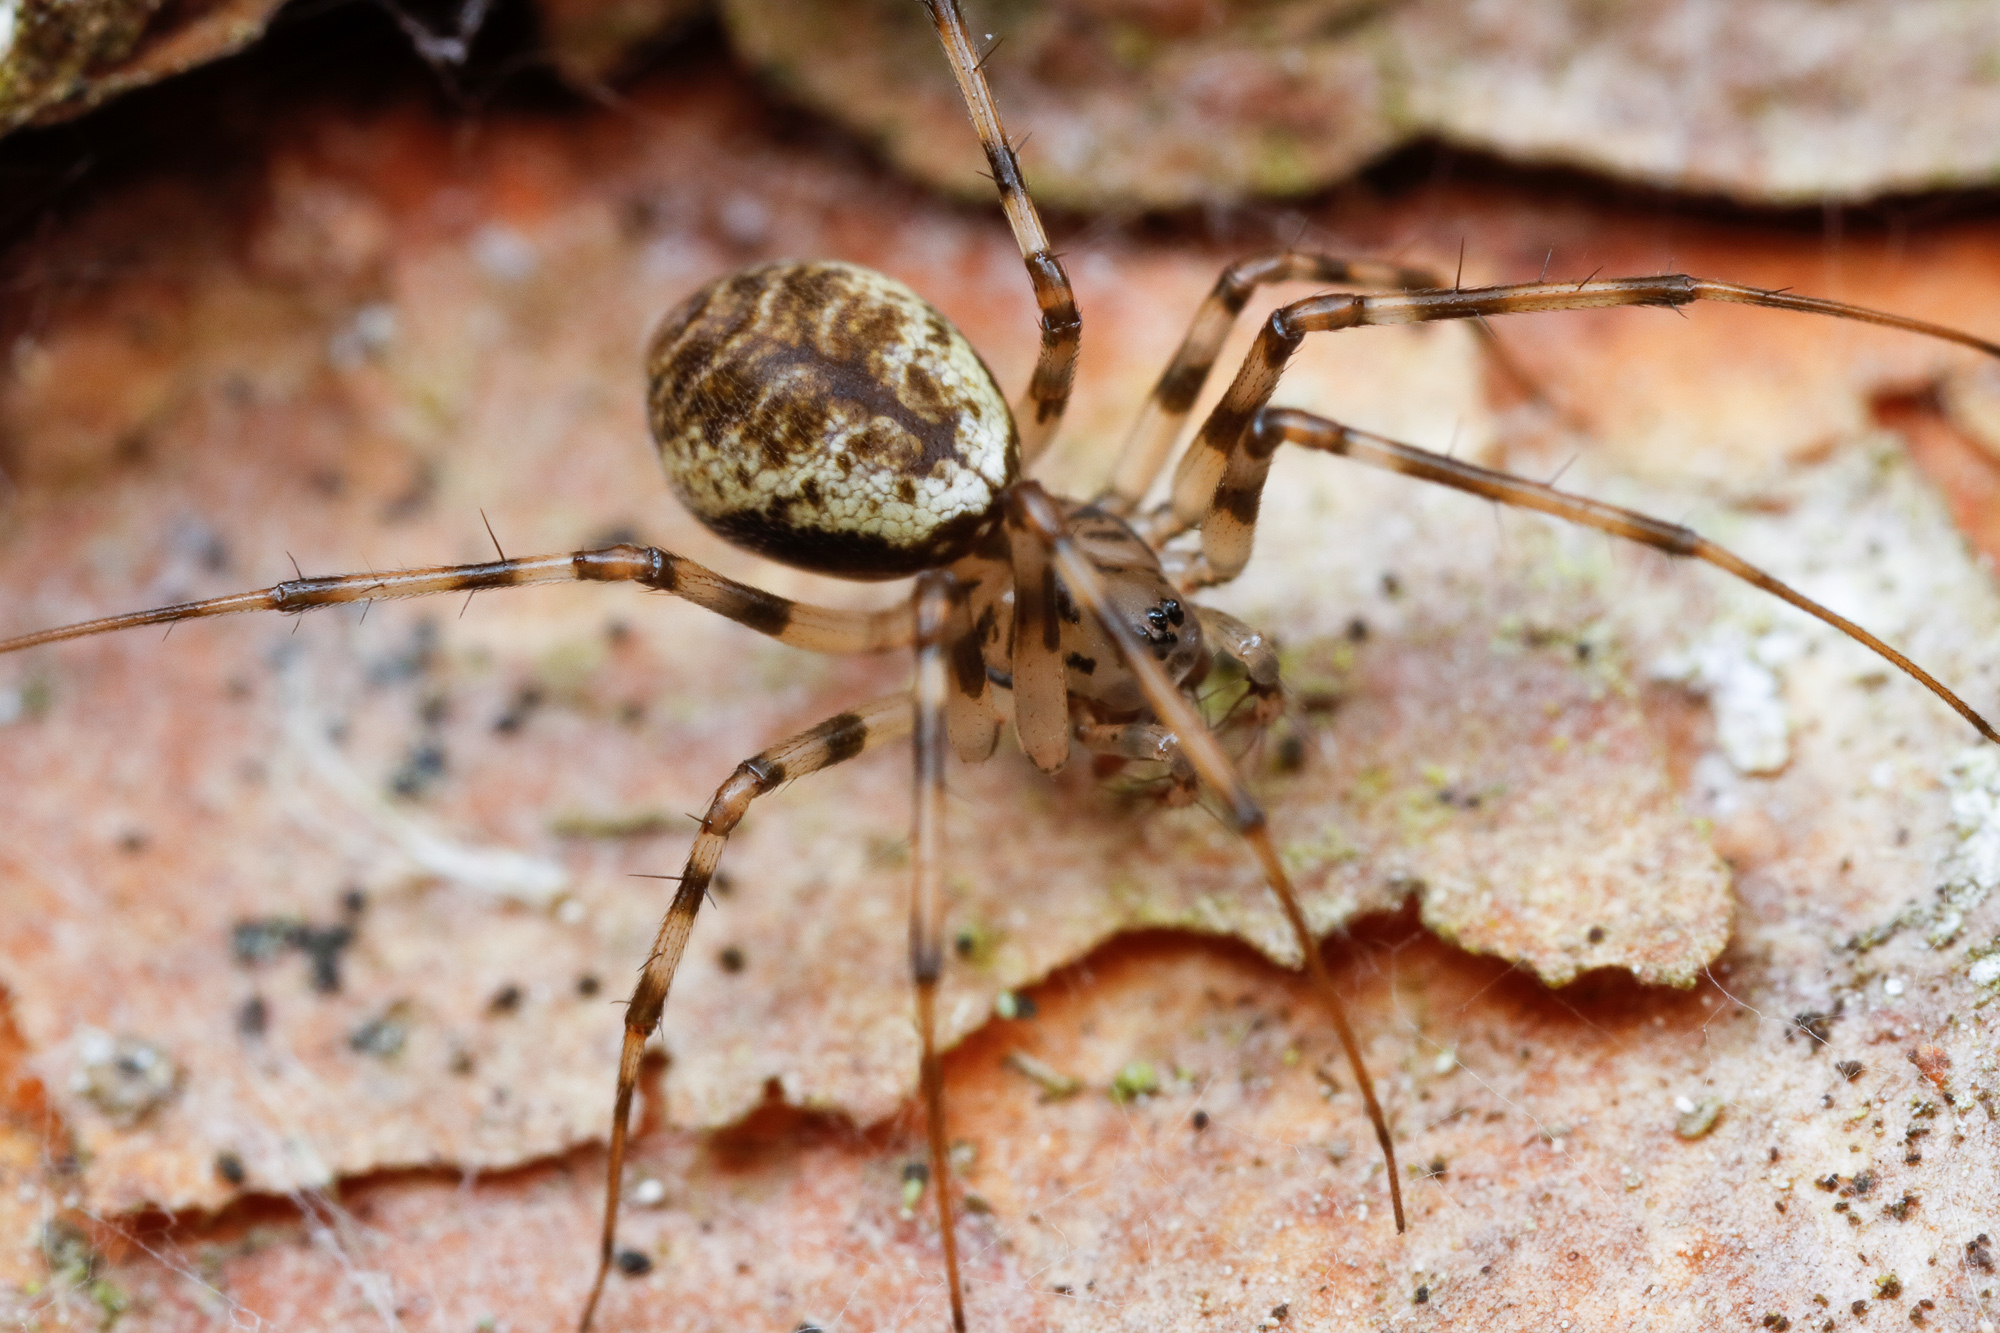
<point>827,416</point>
<point>1142,599</point>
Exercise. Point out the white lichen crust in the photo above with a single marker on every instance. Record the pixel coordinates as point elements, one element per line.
<point>827,416</point>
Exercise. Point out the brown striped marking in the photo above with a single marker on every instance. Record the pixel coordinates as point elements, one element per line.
<point>827,416</point>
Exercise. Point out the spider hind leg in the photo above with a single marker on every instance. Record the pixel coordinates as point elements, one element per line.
<point>834,741</point>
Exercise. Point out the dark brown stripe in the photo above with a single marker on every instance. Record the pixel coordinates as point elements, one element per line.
<point>1006,168</point>
<point>761,611</point>
<point>844,737</point>
<point>968,664</point>
<point>1224,426</point>
<point>1240,503</point>
<point>770,773</point>
<point>1182,383</point>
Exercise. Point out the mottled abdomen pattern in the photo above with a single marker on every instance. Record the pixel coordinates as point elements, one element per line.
<point>826,416</point>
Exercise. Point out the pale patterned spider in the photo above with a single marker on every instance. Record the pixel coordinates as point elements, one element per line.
<point>826,416</point>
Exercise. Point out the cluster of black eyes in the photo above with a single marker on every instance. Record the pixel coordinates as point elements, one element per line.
<point>1161,621</point>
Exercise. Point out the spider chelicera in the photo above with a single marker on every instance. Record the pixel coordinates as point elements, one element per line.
<point>826,416</point>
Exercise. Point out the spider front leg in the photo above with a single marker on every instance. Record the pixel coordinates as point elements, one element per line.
<point>931,740</point>
<point>814,628</point>
<point>1166,411</point>
<point>1032,517</point>
<point>833,741</point>
<point>1243,486</point>
<point>1213,485</point>
<point>1040,409</point>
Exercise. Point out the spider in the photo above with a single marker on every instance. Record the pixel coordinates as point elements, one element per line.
<point>826,416</point>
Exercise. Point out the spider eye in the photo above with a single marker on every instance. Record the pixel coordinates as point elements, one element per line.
<point>1174,612</point>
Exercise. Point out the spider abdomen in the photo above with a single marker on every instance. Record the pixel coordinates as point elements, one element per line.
<point>827,416</point>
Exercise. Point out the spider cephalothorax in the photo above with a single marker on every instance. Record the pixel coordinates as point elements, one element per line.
<point>827,416</point>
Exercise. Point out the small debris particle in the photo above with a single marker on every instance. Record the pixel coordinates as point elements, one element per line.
<point>916,1175</point>
<point>381,1037</point>
<point>1849,1069</point>
<point>1818,1026</point>
<point>1281,1311</point>
<point>526,700</point>
<point>587,985</point>
<point>1892,986</point>
<point>975,1203</point>
<point>253,1016</point>
<point>649,1193</point>
<point>1932,1062</point>
<point>633,1263</point>
<point>1011,1005</point>
<point>1772,1319</point>
<point>1902,1208</point>
<point>731,959</point>
<point>1696,1121</point>
<point>422,769</point>
<point>260,940</point>
<point>505,1000</point>
<point>1632,1179</point>
<point>1200,1120</point>
<point>1596,935</point>
<point>1979,1252</point>
<point>1859,1308</point>
<point>1137,1079</point>
<point>323,946</point>
<point>230,1167</point>
<point>1888,1286</point>
<point>1422,1297</point>
<point>126,1077</point>
<point>1055,1084</point>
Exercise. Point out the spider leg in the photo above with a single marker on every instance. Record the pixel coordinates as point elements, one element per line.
<point>1031,509</point>
<point>833,741</point>
<point>1147,742</point>
<point>1166,411</point>
<point>1245,643</point>
<point>971,718</point>
<point>1237,504</point>
<point>1041,685</point>
<point>933,613</point>
<point>1200,485</point>
<point>1040,409</point>
<point>814,628</point>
